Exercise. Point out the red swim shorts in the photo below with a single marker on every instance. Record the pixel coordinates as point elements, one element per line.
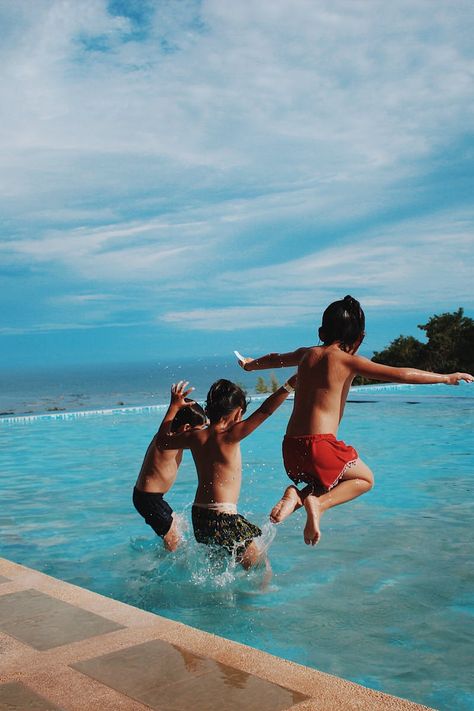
<point>318,459</point>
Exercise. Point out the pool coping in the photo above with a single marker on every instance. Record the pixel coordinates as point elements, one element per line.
<point>49,674</point>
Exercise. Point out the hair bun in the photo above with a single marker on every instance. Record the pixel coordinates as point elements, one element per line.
<point>348,300</point>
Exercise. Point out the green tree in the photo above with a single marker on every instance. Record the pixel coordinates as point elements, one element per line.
<point>274,384</point>
<point>261,386</point>
<point>449,347</point>
<point>403,352</point>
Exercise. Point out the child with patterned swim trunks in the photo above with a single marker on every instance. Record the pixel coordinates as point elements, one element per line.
<point>312,454</point>
<point>216,453</point>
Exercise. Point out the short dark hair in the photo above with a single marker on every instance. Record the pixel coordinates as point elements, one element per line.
<point>343,321</point>
<point>223,397</point>
<point>191,414</point>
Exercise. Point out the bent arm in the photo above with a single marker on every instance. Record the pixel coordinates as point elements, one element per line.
<point>414,376</point>
<point>177,401</point>
<point>267,408</point>
<point>178,440</point>
<point>274,360</point>
<point>165,427</point>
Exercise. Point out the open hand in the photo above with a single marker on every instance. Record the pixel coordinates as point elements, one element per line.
<point>179,393</point>
<point>243,361</point>
<point>455,378</point>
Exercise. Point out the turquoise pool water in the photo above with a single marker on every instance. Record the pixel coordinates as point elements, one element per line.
<point>386,599</point>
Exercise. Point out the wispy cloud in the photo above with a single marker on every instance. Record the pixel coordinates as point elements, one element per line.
<point>394,269</point>
<point>286,91</point>
<point>231,162</point>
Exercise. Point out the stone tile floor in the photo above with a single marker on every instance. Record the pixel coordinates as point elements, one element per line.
<point>68,649</point>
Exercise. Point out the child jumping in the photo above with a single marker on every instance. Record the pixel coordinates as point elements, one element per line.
<point>216,453</point>
<point>157,476</point>
<point>312,454</point>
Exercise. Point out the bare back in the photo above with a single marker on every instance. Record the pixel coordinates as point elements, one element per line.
<point>324,378</point>
<point>159,469</point>
<point>219,466</point>
<point>216,448</point>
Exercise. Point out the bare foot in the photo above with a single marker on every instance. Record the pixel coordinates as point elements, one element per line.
<point>312,532</point>
<point>289,502</point>
<point>173,538</point>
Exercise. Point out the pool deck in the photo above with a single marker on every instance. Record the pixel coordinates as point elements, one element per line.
<point>66,648</point>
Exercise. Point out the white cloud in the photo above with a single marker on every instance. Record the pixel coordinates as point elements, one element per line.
<point>69,326</point>
<point>282,91</point>
<point>414,263</point>
<point>175,158</point>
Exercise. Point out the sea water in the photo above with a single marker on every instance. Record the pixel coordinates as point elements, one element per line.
<point>386,599</point>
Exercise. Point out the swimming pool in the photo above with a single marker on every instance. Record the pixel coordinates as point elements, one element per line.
<point>386,599</point>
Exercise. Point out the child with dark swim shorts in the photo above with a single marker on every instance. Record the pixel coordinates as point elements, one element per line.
<point>312,454</point>
<point>157,476</point>
<point>216,453</point>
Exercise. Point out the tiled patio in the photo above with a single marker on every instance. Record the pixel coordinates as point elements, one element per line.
<point>65,648</point>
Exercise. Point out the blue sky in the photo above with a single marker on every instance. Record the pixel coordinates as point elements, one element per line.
<point>184,178</point>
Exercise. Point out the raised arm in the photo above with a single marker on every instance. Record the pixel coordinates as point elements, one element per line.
<point>273,360</point>
<point>377,371</point>
<point>164,439</point>
<point>267,408</point>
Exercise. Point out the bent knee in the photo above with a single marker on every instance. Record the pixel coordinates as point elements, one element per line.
<point>365,478</point>
<point>368,480</point>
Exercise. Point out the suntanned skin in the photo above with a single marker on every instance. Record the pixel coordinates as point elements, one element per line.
<point>157,476</point>
<point>324,376</point>
<point>159,469</point>
<point>216,451</point>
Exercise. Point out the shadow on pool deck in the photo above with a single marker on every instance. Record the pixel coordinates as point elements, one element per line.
<point>69,649</point>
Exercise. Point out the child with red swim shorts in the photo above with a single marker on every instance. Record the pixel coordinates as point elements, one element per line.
<point>312,454</point>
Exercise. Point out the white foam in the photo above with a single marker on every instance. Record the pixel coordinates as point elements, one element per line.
<point>82,413</point>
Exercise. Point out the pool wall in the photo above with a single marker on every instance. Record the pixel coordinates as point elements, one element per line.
<point>64,647</point>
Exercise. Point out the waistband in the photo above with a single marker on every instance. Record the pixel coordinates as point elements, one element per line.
<point>139,492</point>
<point>220,507</point>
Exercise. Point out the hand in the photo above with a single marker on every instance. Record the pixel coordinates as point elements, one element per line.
<point>179,393</point>
<point>244,362</point>
<point>455,378</point>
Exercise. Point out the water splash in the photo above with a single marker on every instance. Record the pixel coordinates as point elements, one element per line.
<point>268,535</point>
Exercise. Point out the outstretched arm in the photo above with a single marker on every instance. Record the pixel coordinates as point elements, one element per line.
<point>273,360</point>
<point>267,408</point>
<point>377,371</point>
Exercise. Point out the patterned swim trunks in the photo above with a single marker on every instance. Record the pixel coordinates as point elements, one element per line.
<point>229,530</point>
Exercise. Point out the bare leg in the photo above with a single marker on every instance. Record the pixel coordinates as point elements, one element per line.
<point>312,532</point>
<point>356,481</point>
<point>289,502</point>
<point>252,556</point>
<point>267,576</point>
<point>173,538</point>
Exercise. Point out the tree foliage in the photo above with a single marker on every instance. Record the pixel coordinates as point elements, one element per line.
<point>262,386</point>
<point>449,347</point>
<point>274,384</point>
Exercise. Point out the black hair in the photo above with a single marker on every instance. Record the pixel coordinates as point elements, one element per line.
<point>223,397</point>
<point>191,414</point>
<point>343,321</point>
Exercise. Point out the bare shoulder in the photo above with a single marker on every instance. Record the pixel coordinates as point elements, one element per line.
<point>340,359</point>
<point>312,354</point>
<point>200,434</point>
